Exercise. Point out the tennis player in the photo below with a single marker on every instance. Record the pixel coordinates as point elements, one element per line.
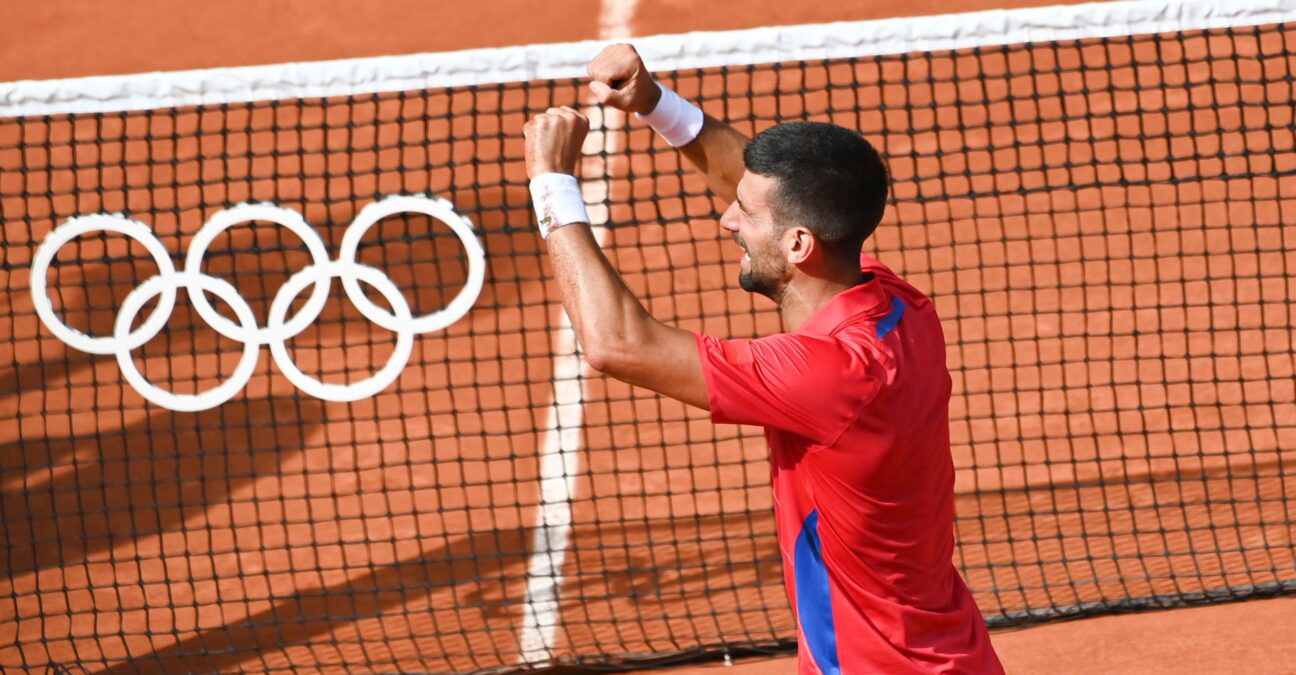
<point>854,397</point>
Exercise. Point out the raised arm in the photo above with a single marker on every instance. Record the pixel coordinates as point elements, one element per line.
<point>618,335</point>
<point>619,78</point>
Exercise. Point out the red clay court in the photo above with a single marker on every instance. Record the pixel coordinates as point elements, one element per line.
<point>1099,216</point>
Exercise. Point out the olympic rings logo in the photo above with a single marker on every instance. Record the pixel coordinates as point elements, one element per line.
<point>280,327</point>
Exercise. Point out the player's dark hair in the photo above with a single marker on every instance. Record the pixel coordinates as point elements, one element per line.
<point>830,180</point>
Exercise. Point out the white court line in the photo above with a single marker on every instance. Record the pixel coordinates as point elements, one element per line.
<point>560,451</point>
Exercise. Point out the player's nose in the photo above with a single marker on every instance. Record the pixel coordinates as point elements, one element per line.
<point>728,220</point>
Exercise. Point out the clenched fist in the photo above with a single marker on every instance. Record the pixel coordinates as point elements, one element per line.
<point>553,141</point>
<point>619,79</point>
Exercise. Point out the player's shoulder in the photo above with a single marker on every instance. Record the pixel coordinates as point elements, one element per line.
<point>835,370</point>
<point>831,356</point>
<point>792,343</point>
<point>851,352</point>
<point>895,284</point>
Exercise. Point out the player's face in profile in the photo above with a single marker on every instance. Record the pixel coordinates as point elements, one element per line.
<point>750,220</point>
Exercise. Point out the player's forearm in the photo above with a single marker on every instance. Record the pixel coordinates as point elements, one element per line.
<point>717,153</point>
<point>608,319</point>
<point>714,147</point>
<point>619,78</point>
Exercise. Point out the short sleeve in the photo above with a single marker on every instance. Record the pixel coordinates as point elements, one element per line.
<point>811,386</point>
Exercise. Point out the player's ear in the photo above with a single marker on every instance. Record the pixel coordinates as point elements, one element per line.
<point>799,244</point>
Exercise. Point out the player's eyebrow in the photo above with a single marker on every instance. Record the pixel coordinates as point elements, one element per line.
<point>741,206</point>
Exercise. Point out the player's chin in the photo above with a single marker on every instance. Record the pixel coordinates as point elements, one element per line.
<point>764,284</point>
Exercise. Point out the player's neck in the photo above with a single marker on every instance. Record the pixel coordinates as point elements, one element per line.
<point>805,295</point>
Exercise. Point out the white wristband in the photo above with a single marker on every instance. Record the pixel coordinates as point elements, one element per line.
<point>558,201</point>
<point>676,120</point>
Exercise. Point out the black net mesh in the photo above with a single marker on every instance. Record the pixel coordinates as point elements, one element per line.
<point>1104,225</point>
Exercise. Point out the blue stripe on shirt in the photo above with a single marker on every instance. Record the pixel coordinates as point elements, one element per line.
<point>892,318</point>
<point>814,602</point>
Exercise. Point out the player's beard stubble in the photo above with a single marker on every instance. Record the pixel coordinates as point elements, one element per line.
<point>762,274</point>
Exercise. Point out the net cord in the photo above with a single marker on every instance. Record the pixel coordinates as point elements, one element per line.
<point>347,77</point>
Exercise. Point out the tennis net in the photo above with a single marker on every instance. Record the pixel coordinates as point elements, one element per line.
<point>1097,198</point>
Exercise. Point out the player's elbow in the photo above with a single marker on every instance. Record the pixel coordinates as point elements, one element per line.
<point>618,345</point>
<point>597,360</point>
<point>606,354</point>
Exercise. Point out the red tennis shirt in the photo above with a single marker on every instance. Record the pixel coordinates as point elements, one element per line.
<point>855,405</point>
